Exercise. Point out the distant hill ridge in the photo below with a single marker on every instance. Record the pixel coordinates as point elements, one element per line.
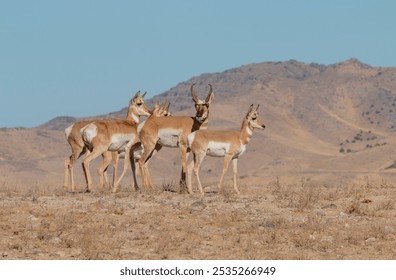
<point>319,119</point>
<point>231,81</point>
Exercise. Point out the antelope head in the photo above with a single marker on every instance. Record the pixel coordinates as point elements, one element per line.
<point>164,109</point>
<point>202,106</point>
<point>253,120</point>
<point>161,110</point>
<point>137,106</point>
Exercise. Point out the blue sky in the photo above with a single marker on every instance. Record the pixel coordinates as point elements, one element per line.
<point>82,58</point>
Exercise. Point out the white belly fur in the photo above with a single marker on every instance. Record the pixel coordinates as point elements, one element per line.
<point>217,149</point>
<point>119,141</point>
<point>169,137</point>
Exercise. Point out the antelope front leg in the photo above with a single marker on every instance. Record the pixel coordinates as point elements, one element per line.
<point>184,157</point>
<point>126,163</point>
<point>227,160</point>
<point>69,174</point>
<point>234,171</point>
<point>197,165</point>
<point>66,175</point>
<point>103,168</point>
<point>190,168</point>
<point>134,172</point>
<point>115,156</point>
<point>143,164</point>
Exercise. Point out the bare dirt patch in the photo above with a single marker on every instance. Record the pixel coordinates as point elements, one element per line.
<point>305,220</point>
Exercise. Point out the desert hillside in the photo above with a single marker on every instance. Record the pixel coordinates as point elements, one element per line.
<point>332,123</point>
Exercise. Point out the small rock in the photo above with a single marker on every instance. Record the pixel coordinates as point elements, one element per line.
<point>320,214</point>
<point>388,230</point>
<point>269,225</point>
<point>370,239</point>
<point>330,206</point>
<point>55,240</point>
<point>198,205</point>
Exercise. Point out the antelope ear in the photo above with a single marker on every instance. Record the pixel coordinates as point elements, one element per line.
<point>194,96</point>
<point>210,96</point>
<point>137,94</point>
<point>250,111</point>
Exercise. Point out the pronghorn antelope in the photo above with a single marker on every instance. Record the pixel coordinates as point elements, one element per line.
<point>172,132</point>
<point>111,135</point>
<point>137,151</point>
<point>74,138</point>
<point>221,143</point>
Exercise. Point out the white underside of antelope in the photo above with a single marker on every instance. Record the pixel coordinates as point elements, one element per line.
<point>120,141</point>
<point>217,149</point>
<point>169,137</point>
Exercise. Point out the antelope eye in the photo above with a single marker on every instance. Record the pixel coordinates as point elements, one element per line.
<point>140,104</point>
<point>254,118</point>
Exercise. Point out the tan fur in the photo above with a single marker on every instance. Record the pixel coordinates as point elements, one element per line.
<point>76,142</point>
<point>135,149</point>
<point>78,149</point>
<point>224,143</point>
<point>152,141</point>
<point>102,141</point>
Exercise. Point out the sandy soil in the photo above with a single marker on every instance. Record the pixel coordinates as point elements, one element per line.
<point>304,220</point>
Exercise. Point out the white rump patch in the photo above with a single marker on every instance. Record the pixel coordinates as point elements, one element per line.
<point>119,141</point>
<point>217,149</point>
<point>169,137</point>
<point>68,130</point>
<point>89,132</point>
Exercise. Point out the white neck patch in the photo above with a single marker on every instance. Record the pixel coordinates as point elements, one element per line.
<point>249,131</point>
<point>135,118</point>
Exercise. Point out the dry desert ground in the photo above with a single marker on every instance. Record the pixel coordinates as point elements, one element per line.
<point>275,220</point>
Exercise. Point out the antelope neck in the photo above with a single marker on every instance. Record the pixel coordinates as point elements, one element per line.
<point>246,132</point>
<point>133,117</point>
